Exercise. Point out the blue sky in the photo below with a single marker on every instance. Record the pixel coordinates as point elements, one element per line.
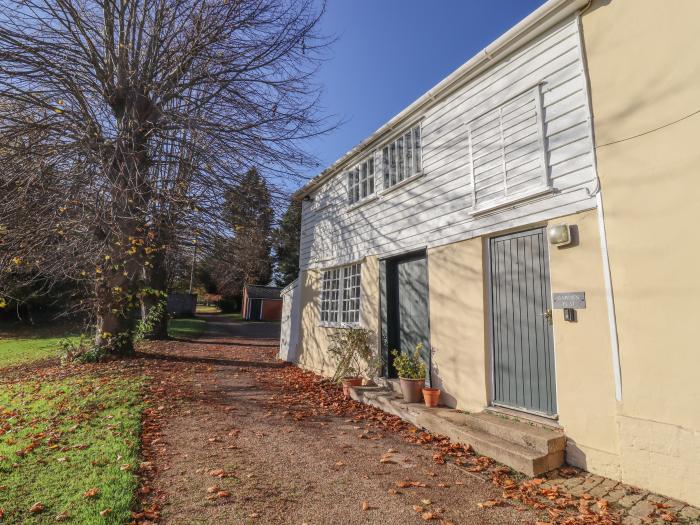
<point>390,52</point>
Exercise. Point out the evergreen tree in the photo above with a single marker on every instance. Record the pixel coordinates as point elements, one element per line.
<point>287,238</point>
<point>245,257</point>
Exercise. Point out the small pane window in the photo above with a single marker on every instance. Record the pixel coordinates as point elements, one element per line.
<point>329,295</point>
<point>340,295</point>
<point>361,181</point>
<point>351,294</point>
<point>402,158</point>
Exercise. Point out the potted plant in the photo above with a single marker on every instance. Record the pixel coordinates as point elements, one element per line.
<point>351,348</point>
<point>431,395</point>
<point>411,370</point>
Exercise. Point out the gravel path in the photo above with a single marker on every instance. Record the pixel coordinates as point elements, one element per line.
<point>230,453</point>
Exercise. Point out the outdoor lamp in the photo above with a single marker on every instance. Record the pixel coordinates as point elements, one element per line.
<point>559,234</point>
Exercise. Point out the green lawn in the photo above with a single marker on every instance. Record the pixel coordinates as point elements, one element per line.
<point>18,351</point>
<point>188,328</point>
<point>61,439</point>
<point>204,309</point>
<point>24,349</point>
<point>237,316</point>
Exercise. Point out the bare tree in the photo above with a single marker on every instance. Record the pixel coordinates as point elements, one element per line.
<point>124,122</point>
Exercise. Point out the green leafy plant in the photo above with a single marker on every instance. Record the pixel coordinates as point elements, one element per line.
<point>81,351</point>
<point>145,327</point>
<point>410,365</point>
<point>351,348</point>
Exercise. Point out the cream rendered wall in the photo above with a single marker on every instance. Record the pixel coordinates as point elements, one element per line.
<point>645,74</point>
<point>457,326</point>
<point>585,380</point>
<point>313,338</point>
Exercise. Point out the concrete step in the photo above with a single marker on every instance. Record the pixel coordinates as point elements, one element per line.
<point>505,441</point>
<point>545,440</point>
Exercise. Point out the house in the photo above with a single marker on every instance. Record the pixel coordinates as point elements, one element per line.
<point>528,220</point>
<point>261,303</point>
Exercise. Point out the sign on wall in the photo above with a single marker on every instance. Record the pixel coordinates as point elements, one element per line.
<point>575,300</point>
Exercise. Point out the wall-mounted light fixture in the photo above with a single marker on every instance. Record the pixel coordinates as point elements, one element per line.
<point>559,234</point>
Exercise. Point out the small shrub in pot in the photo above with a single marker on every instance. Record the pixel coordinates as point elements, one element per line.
<point>351,348</point>
<point>411,370</point>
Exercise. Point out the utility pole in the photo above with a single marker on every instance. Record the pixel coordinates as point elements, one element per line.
<point>194,258</point>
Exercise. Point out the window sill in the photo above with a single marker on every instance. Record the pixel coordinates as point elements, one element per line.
<point>359,204</point>
<point>328,324</point>
<point>475,212</point>
<point>401,184</point>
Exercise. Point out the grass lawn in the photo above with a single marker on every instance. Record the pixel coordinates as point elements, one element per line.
<point>203,309</point>
<point>186,328</point>
<point>62,440</point>
<point>18,351</point>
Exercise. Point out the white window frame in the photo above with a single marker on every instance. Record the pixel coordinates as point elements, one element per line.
<point>404,168</point>
<point>361,181</point>
<point>330,296</point>
<point>345,293</point>
<point>542,189</point>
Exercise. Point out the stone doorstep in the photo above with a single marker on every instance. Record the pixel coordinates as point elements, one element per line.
<point>526,448</point>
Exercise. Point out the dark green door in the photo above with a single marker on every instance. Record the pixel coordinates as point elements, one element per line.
<point>523,349</point>
<point>255,309</point>
<point>407,306</point>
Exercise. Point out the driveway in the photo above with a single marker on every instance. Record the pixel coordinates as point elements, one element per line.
<point>238,437</point>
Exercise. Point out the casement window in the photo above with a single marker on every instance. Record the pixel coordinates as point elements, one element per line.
<point>401,159</point>
<point>508,158</point>
<point>340,295</point>
<point>330,290</point>
<point>361,181</point>
<point>350,308</point>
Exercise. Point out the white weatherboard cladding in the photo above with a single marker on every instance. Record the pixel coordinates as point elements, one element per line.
<point>437,207</point>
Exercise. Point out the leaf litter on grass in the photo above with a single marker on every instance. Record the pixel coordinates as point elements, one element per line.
<point>63,441</point>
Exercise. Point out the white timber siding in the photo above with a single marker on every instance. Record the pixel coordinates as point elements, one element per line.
<point>436,208</point>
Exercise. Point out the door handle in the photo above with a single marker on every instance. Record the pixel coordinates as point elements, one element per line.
<point>547,314</point>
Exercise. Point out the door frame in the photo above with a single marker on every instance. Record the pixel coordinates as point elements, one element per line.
<point>384,307</point>
<point>490,359</point>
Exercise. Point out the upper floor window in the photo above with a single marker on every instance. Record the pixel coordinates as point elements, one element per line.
<point>508,158</point>
<point>340,295</point>
<point>401,158</point>
<point>361,181</point>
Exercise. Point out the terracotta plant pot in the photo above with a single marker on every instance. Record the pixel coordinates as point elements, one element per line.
<point>410,388</point>
<point>431,397</point>
<point>348,382</point>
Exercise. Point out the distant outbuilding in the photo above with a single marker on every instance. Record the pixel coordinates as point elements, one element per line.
<point>262,303</point>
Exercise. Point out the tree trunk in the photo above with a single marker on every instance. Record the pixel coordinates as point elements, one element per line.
<point>119,277</point>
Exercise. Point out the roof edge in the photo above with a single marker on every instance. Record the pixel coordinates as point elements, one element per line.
<point>533,25</point>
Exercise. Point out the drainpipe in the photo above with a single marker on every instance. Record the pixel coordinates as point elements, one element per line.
<point>607,275</point>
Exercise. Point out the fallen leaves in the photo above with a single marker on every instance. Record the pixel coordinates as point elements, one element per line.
<point>489,503</point>
<point>218,473</point>
<point>37,508</point>
<point>91,493</point>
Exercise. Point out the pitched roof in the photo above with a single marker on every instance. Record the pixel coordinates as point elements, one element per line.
<point>263,292</point>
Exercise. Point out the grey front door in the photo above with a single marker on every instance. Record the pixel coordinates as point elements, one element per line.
<point>523,349</point>
<point>407,306</point>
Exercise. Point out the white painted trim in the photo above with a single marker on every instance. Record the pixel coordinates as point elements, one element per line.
<point>607,275</point>
<point>401,184</point>
<point>612,318</point>
<point>515,199</point>
<point>362,202</point>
